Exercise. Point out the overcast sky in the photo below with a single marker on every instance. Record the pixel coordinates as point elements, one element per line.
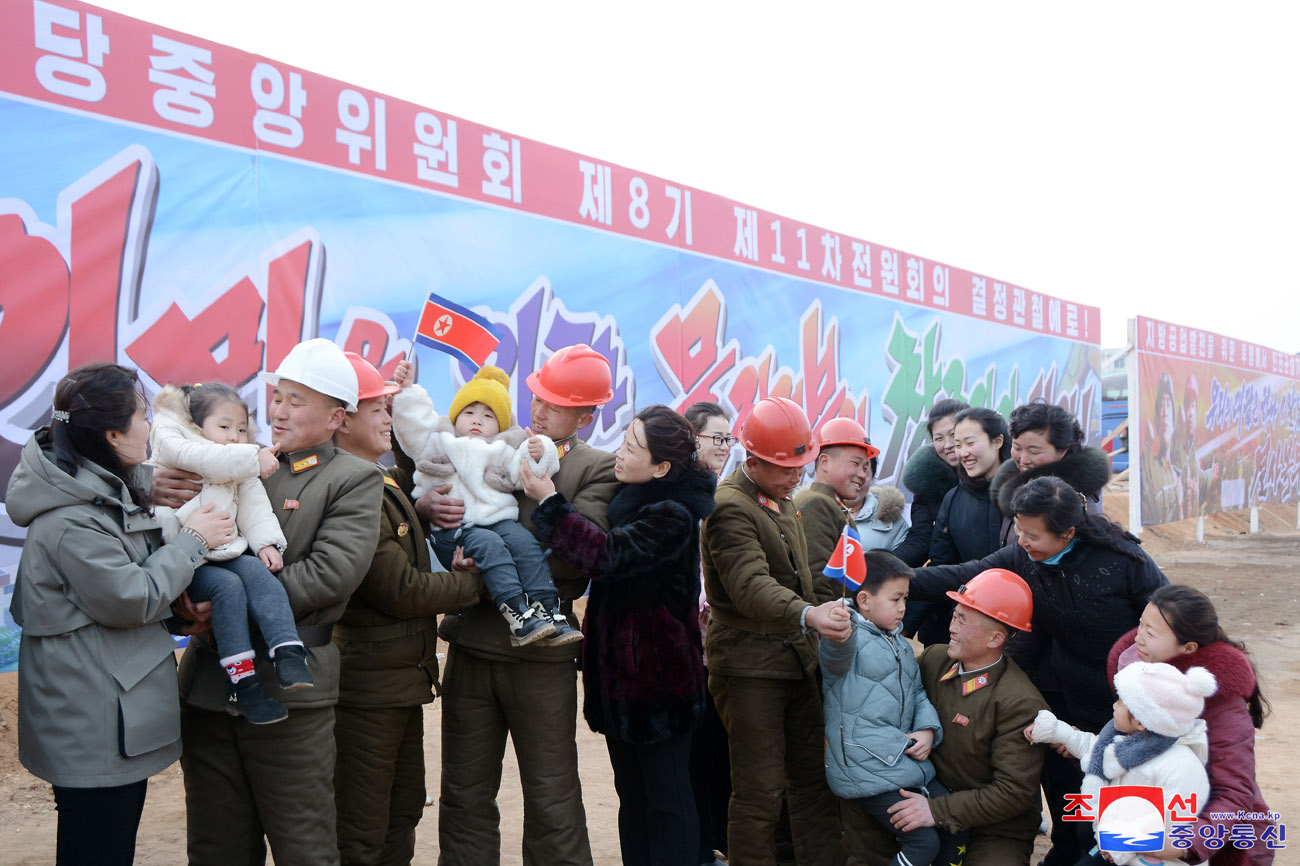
<point>1141,157</point>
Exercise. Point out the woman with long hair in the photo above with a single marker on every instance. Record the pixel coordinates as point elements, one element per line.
<point>642,666</point>
<point>98,706</point>
<point>1180,627</point>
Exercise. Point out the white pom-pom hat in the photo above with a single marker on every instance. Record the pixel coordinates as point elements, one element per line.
<point>1162,698</point>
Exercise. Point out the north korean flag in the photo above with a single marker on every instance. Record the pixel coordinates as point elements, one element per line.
<point>847,564</point>
<point>456,330</point>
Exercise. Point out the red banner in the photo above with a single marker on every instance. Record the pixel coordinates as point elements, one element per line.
<point>83,57</point>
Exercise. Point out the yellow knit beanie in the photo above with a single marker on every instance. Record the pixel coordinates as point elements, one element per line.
<point>491,387</point>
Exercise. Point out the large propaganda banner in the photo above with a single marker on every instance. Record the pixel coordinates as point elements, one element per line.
<point>1214,421</point>
<point>194,211</point>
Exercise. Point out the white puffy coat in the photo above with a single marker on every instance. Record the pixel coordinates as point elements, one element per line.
<point>482,472</point>
<point>231,478</point>
<point>1180,769</point>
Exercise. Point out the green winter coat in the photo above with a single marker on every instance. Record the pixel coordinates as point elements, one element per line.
<point>97,699</point>
<point>758,583</point>
<point>586,478</point>
<point>329,511</point>
<point>388,636</point>
<point>823,517</point>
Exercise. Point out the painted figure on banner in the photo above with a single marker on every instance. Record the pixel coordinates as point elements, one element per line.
<point>1163,490</point>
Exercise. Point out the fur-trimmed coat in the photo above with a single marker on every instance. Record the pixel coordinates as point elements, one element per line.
<point>1231,767</point>
<point>483,471</point>
<point>1086,470</point>
<point>929,477</point>
<point>231,478</point>
<point>642,665</point>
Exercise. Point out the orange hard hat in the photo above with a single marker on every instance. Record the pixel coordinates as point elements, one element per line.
<point>777,431</point>
<point>574,376</point>
<point>1001,594</point>
<point>845,431</point>
<point>369,382</point>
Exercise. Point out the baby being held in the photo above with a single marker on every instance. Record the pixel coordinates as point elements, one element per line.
<point>477,451</point>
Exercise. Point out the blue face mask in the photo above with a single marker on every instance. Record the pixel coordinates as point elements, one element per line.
<point>1053,560</point>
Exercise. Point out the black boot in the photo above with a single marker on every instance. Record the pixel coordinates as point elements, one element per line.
<point>291,668</point>
<point>247,698</point>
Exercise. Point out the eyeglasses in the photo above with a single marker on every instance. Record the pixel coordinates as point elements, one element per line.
<point>720,439</point>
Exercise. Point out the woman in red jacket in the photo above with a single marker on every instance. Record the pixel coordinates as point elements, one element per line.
<point>1180,627</point>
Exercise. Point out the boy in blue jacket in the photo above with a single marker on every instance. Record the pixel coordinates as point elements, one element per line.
<point>880,726</point>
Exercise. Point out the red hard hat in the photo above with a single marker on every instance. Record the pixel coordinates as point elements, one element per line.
<point>777,431</point>
<point>574,376</point>
<point>1001,594</point>
<point>845,431</point>
<point>369,382</point>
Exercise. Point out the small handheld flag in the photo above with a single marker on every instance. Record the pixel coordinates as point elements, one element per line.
<point>847,564</point>
<point>456,330</point>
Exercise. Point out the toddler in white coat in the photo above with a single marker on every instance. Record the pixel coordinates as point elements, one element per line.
<point>478,451</point>
<point>1156,738</point>
<point>204,429</point>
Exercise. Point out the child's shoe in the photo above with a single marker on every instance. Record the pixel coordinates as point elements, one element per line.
<point>564,633</point>
<point>527,624</point>
<point>247,698</point>
<point>291,668</point>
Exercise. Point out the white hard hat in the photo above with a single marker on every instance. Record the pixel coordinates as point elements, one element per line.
<point>320,365</point>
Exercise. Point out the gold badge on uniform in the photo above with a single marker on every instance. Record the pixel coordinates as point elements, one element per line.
<point>402,529</point>
<point>305,463</point>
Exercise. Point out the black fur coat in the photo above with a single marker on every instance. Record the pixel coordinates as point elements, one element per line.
<point>642,661</point>
<point>1086,470</point>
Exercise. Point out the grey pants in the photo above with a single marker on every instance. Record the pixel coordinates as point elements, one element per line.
<point>237,588</point>
<point>510,557</point>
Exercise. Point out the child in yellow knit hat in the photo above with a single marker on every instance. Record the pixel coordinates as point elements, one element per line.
<point>477,450</point>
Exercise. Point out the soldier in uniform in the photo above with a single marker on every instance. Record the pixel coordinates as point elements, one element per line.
<point>843,468</point>
<point>491,689</point>
<point>762,657</point>
<point>246,782</point>
<point>985,702</point>
<point>387,641</point>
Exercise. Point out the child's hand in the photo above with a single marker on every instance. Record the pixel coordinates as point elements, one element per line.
<point>534,445</point>
<point>267,462</point>
<point>402,375</point>
<point>920,750</point>
<point>271,558</point>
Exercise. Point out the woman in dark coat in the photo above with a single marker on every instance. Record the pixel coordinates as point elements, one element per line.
<point>968,525</point>
<point>642,665</point>
<point>1048,440</point>
<point>1090,581</point>
<point>930,473</point>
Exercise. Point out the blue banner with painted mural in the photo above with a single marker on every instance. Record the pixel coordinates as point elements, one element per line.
<point>192,260</point>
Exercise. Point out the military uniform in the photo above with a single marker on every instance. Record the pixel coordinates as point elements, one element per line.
<point>387,641</point>
<point>242,781</point>
<point>762,674</point>
<point>491,689</point>
<point>985,760</point>
<point>824,517</point>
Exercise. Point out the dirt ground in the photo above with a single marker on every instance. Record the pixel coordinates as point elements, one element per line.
<point>1254,581</point>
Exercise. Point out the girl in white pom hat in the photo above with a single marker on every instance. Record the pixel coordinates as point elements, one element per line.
<point>1155,738</point>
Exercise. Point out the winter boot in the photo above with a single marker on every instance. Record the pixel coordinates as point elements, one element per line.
<point>291,671</point>
<point>564,633</point>
<point>526,623</point>
<point>247,698</point>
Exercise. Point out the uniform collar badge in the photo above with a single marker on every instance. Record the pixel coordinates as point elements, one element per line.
<point>952,672</point>
<point>564,447</point>
<point>305,463</point>
<point>769,503</point>
<point>974,685</point>
<point>390,481</point>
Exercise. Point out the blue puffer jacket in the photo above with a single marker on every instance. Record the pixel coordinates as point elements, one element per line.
<point>873,699</point>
